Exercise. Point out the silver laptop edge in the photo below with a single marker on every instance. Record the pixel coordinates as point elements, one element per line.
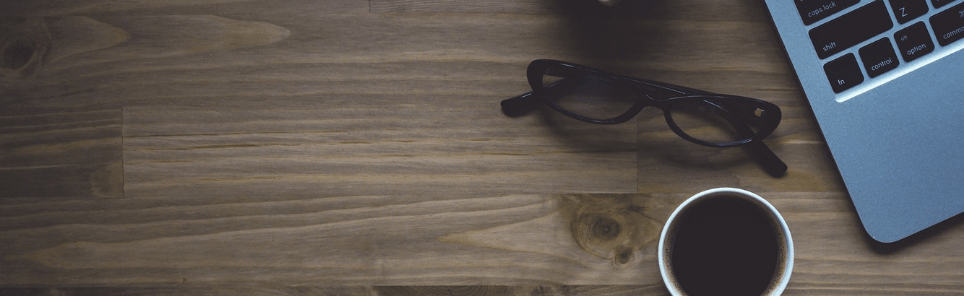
<point>897,139</point>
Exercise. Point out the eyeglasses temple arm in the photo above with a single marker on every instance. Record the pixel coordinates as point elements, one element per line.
<point>760,152</point>
<point>520,105</point>
<point>771,163</point>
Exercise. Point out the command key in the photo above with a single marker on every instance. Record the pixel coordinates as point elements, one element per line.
<point>949,25</point>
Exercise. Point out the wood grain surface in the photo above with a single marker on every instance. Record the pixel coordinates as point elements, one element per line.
<point>248,147</point>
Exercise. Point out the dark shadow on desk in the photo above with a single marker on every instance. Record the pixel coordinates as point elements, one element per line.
<point>602,36</point>
<point>930,234</point>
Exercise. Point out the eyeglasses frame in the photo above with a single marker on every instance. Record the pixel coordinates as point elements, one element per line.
<point>666,95</point>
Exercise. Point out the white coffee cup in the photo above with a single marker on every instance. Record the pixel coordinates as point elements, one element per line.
<point>710,200</point>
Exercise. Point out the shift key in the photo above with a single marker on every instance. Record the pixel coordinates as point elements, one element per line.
<point>949,25</point>
<point>850,29</point>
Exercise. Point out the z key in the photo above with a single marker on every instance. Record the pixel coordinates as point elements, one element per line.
<point>908,10</point>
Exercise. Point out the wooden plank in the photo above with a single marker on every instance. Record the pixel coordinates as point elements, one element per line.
<point>490,6</point>
<point>159,43</point>
<point>500,240</point>
<point>125,55</point>
<point>53,8</point>
<point>586,11</point>
<point>370,146</point>
<point>390,240</point>
<point>543,290</point>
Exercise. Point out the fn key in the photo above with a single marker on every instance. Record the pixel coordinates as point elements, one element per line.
<point>843,73</point>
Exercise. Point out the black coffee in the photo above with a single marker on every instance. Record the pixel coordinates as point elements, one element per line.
<point>725,245</point>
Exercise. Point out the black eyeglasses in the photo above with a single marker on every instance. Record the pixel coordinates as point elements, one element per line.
<point>700,117</point>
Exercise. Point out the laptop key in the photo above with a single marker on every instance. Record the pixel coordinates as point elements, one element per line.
<point>949,25</point>
<point>850,29</point>
<point>907,10</point>
<point>812,11</point>
<point>939,3</point>
<point>879,57</point>
<point>843,73</point>
<point>914,41</point>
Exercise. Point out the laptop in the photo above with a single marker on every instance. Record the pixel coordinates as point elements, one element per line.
<point>885,79</point>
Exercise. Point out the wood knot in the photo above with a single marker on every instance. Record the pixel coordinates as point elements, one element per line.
<point>624,256</point>
<point>604,228</point>
<point>16,53</point>
<point>23,43</point>
<point>608,227</point>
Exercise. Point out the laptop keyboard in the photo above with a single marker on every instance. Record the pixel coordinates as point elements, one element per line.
<point>865,26</point>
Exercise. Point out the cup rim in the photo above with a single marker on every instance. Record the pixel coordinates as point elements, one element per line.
<point>788,269</point>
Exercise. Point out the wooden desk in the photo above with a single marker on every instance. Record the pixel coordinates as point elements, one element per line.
<point>357,148</point>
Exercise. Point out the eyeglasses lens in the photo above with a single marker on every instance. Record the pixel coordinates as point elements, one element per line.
<point>715,122</point>
<point>589,95</point>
